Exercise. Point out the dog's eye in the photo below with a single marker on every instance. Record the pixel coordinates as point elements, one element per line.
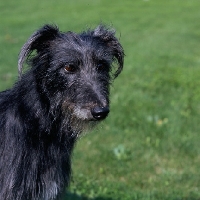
<point>70,68</point>
<point>101,65</point>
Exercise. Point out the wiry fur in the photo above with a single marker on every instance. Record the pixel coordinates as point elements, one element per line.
<point>49,106</point>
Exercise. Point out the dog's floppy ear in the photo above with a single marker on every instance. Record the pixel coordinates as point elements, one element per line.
<point>38,41</point>
<point>108,36</point>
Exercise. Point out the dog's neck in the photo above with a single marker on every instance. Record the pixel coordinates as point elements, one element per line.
<point>45,150</point>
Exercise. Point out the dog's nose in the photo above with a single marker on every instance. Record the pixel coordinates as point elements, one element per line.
<point>100,112</point>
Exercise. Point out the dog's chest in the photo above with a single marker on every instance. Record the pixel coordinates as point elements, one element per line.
<point>50,191</point>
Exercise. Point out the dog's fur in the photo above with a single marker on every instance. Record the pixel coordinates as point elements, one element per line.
<point>65,90</point>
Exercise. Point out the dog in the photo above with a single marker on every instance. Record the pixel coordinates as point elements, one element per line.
<point>64,91</point>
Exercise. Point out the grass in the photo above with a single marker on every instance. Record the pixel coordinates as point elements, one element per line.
<point>148,148</point>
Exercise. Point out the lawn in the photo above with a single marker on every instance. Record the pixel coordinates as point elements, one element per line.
<point>149,146</point>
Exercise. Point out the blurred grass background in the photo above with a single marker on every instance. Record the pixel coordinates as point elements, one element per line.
<point>149,147</point>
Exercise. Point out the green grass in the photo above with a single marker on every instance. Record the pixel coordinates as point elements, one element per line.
<point>149,147</point>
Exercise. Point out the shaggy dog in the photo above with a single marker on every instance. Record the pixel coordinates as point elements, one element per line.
<point>64,91</point>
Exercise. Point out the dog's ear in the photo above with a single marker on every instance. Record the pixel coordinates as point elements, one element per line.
<point>108,36</point>
<point>38,41</point>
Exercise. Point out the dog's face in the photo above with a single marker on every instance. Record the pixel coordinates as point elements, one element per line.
<point>74,71</point>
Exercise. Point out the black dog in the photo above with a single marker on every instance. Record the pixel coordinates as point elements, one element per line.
<point>65,91</point>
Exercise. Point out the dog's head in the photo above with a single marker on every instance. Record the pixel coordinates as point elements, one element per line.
<point>72,70</point>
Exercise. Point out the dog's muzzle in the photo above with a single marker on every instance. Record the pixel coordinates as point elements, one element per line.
<point>100,113</point>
